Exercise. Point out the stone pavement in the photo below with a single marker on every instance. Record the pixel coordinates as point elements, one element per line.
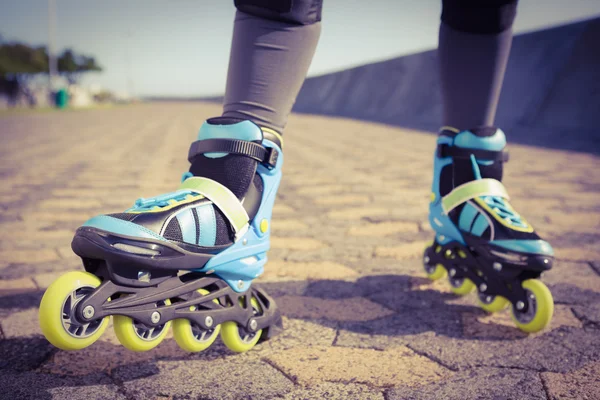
<point>349,229</point>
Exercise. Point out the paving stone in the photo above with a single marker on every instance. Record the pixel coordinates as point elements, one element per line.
<point>281,209</point>
<point>15,286</point>
<point>383,228</point>
<point>595,266</point>
<point>67,204</point>
<point>230,378</point>
<point>24,354</point>
<point>571,348</point>
<point>583,383</point>
<point>578,253</point>
<point>573,283</point>
<point>405,251</point>
<point>335,391</point>
<point>16,271</point>
<point>93,359</point>
<point>349,309</point>
<point>477,384</point>
<point>43,281</point>
<point>347,214</point>
<point>296,243</point>
<point>293,225</point>
<point>297,270</point>
<point>316,190</point>
<point>56,216</point>
<point>297,333</point>
<point>314,365</point>
<point>501,326</point>
<point>589,315</point>
<point>342,200</point>
<point>28,256</point>
<point>22,323</point>
<point>36,386</point>
<point>66,253</point>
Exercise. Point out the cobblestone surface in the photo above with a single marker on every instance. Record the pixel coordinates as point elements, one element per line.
<point>349,227</point>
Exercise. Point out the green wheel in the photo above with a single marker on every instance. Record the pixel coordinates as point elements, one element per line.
<point>540,307</point>
<point>137,336</point>
<point>191,337</point>
<point>236,337</point>
<point>57,312</point>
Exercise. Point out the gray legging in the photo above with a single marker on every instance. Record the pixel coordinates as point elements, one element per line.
<point>274,42</point>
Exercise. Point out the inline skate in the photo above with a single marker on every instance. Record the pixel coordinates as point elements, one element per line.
<point>184,259</point>
<point>481,242</point>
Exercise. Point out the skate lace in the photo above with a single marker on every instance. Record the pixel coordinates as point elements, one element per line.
<point>504,210</point>
<point>161,201</point>
<point>164,200</point>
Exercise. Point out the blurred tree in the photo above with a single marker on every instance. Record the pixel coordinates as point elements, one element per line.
<point>20,62</point>
<point>72,65</point>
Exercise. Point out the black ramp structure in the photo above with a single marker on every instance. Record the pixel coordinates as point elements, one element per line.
<point>550,98</point>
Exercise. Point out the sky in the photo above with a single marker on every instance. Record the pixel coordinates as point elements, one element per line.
<point>181,47</point>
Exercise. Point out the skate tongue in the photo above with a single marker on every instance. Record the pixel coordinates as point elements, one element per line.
<point>228,128</point>
<point>482,138</point>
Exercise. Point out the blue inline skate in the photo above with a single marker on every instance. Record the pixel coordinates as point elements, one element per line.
<point>481,242</point>
<point>184,259</point>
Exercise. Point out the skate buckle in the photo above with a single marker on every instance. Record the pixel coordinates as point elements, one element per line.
<point>271,157</point>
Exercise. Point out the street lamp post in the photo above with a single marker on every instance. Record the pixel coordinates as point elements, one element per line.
<point>52,62</point>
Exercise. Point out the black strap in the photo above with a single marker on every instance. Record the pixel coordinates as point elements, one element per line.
<point>443,150</point>
<point>265,155</point>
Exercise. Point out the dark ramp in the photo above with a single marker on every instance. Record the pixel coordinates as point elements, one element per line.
<point>550,98</point>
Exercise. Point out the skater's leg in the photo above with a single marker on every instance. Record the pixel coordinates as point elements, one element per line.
<point>474,44</point>
<point>270,55</point>
<point>481,241</point>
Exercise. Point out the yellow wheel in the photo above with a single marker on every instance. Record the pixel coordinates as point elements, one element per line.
<point>492,304</point>
<point>137,336</point>
<point>433,271</point>
<point>57,312</point>
<point>539,310</point>
<point>461,286</point>
<point>236,337</point>
<point>191,337</point>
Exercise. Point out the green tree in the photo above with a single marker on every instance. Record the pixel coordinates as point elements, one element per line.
<point>72,65</point>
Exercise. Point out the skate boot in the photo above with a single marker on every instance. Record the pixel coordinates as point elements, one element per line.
<point>481,242</point>
<point>184,259</point>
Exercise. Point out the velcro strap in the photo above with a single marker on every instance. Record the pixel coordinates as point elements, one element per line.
<point>443,150</point>
<point>265,155</point>
<point>472,189</point>
<point>223,198</point>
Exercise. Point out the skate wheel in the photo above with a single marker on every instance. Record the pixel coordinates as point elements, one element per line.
<point>435,272</point>
<point>461,286</point>
<point>492,304</point>
<point>236,337</point>
<point>540,307</point>
<point>57,310</point>
<point>191,337</point>
<point>137,336</point>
